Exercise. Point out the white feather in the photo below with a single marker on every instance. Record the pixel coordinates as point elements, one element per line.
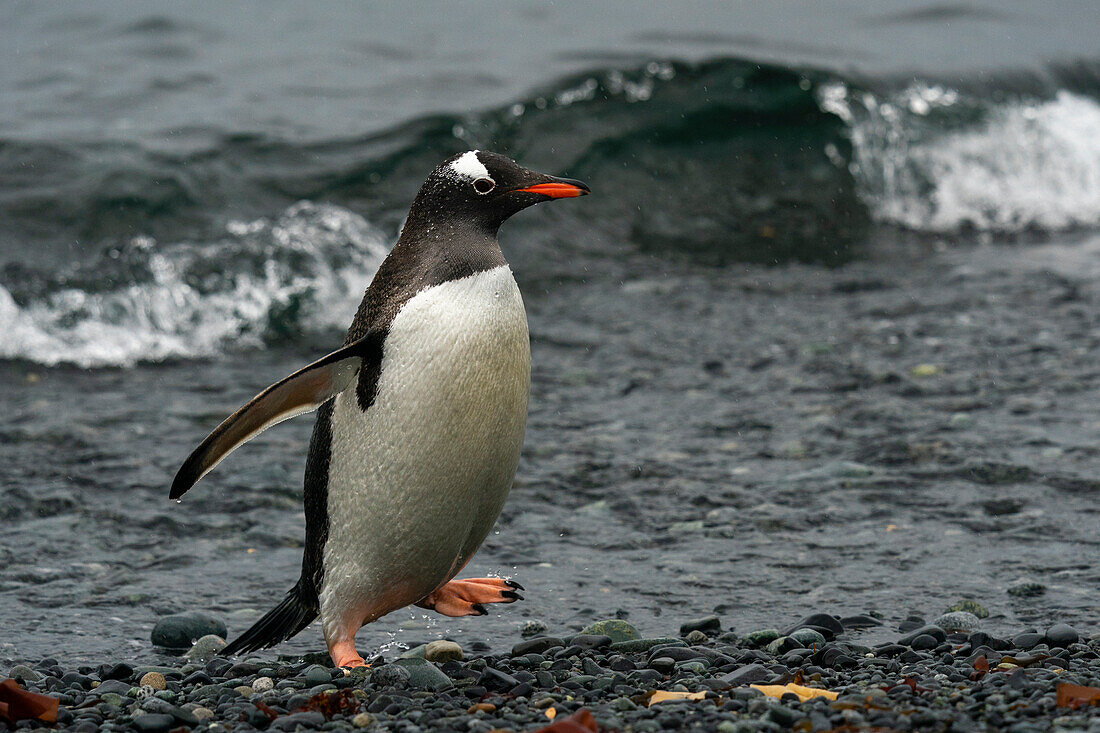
<point>418,480</point>
<point>469,166</point>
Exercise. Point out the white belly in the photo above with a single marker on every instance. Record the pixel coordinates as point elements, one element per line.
<point>418,480</point>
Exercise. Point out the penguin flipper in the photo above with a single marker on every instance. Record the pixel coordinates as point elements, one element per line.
<point>303,391</point>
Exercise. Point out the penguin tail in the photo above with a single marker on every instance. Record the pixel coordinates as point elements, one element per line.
<point>292,615</point>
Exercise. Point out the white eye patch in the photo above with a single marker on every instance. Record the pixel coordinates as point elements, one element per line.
<point>469,166</point>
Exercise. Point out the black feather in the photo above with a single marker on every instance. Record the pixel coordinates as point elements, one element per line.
<point>279,624</point>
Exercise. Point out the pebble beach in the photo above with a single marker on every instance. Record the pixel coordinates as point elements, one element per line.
<point>943,674</point>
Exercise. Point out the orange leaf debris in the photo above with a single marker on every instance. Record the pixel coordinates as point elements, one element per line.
<point>803,693</point>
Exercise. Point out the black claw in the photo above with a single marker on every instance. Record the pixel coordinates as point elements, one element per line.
<point>511,594</point>
<point>480,609</point>
<point>514,584</point>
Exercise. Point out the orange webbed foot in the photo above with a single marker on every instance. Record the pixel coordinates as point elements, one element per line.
<point>467,597</point>
<point>344,655</point>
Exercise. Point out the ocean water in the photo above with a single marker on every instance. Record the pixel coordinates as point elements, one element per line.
<point>193,198</point>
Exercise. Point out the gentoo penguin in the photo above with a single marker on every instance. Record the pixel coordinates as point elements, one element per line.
<point>420,420</point>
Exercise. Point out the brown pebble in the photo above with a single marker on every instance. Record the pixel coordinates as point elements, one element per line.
<point>696,637</point>
<point>442,651</point>
<point>154,680</point>
<point>485,707</point>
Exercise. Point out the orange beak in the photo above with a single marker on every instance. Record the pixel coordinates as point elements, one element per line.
<point>561,189</point>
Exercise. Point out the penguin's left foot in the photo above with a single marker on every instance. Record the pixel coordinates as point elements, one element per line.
<point>344,655</point>
<point>466,597</point>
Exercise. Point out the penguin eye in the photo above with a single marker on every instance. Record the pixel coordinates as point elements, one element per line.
<point>484,185</point>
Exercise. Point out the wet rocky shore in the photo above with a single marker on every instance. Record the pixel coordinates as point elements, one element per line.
<point>816,674</point>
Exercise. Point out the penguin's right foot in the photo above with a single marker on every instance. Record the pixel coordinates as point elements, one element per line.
<point>344,655</point>
<point>465,597</point>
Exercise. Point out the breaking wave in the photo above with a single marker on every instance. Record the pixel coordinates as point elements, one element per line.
<point>727,160</point>
<point>306,269</point>
<point>933,159</point>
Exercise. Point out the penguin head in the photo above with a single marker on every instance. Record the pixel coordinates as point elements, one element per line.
<point>484,189</point>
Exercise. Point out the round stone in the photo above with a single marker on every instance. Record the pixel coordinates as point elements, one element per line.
<point>760,637</point>
<point>924,642</point>
<point>317,675</point>
<point>970,607</point>
<point>1025,589</point>
<point>362,720</point>
<point>692,667</point>
<point>775,646</point>
<point>178,631</point>
<point>423,675</point>
<point>532,627</point>
<point>443,651</point>
<point>710,625</point>
<point>262,684</point>
<point>1062,635</point>
<point>664,665</point>
<point>205,649</point>
<point>958,621</point>
<point>1027,640</point>
<point>696,637</point>
<point>617,629</point>
<point>154,723</point>
<point>25,673</point>
<point>960,421</point>
<point>808,638</point>
<point>389,675</point>
<point>155,680</point>
<point>202,713</point>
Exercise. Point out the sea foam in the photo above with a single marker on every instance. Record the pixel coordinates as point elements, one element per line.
<point>933,159</point>
<point>305,270</point>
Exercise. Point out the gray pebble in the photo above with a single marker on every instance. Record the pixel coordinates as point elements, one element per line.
<point>154,723</point>
<point>291,722</point>
<point>443,651</point>
<point>423,675</point>
<point>180,630</point>
<point>25,673</point>
<point>664,665</point>
<point>709,625</point>
<point>808,638</point>
<point>205,649</point>
<point>615,629</point>
<point>1062,635</point>
<point>532,627</point>
<point>317,675</point>
<point>389,675</point>
<point>1025,589</point>
<point>747,675</point>
<point>958,621</point>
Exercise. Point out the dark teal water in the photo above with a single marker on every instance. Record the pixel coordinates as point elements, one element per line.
<point>149,160</point>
